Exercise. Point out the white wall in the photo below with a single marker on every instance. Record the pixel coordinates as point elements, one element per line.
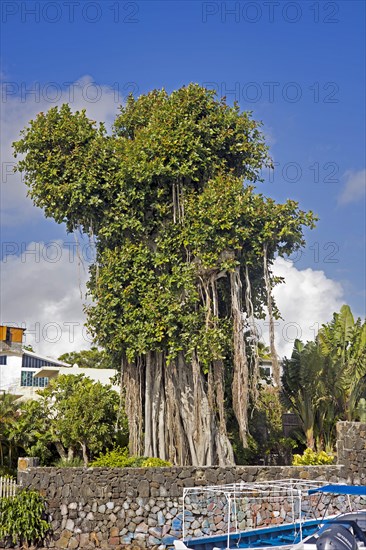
<point>10,374</point>
<point>98,375</point>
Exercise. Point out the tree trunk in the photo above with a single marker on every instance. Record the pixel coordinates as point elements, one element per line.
<point>148,444</point>
<point>274,357</point>
<point>158,409</point>
<point>254,356</point>
<point>132,382</point>
<point>310,443</point>
<point>85,453</point>
<point>121,396</point>
<point>184,416</point>
<point>180,418</point>
<point>196,418</point>
<point>240,384</point>
<point>176,443</point>
<point>154,436</point>
<point>61,450</point>
<point>224,450</point>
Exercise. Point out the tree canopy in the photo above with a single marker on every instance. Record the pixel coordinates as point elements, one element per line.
<point>92,358</point>
<point>184,253</point>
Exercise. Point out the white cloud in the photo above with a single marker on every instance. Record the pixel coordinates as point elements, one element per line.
<point>21,102</point>
<point>355,187</point>
<point>306,300</point>
<point>43,290</point>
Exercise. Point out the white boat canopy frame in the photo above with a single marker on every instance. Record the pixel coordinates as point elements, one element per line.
<point>292,489</point>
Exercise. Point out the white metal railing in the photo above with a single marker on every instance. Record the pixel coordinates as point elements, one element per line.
<point>8,487</point>
<point>247,498</point>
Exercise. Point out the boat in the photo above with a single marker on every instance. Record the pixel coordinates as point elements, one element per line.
<point>289,514</point>
<point>346,531</point>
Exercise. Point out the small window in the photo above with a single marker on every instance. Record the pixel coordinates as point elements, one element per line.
<point>265,371</point>
<point>3,359</point>
<point>28,380</point>
<point>41,382</point>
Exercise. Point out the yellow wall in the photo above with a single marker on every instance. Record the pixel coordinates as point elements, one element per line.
<point>16,334</point>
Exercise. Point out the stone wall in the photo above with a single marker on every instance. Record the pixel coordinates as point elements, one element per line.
<point>111,508</point>
<point>98,507</point>
<point>351,450</point>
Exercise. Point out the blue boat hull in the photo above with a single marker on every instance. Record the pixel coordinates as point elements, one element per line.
<point>279,535</point>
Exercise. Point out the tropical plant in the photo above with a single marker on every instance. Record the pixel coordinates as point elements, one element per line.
<point>343,343</point>
<point>312,458</point>
<point>300,379</point>
<point>9,410</point>
<point>32,432</point>
<point>184,253</point>
<point>325,381</point>
<point>23,518</point>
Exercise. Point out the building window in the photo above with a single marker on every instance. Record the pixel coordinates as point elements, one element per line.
<point>265,371</point>
<point>3,359</point>
<point>28,380</point>
<point>29,362</point>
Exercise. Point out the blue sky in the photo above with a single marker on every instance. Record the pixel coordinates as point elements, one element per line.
<point>299,66</point>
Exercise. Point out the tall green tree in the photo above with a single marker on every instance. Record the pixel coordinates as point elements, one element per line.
<point>184,254</point>
<point>9,410</point>
<point>73,416</point>
<point>83,415</point>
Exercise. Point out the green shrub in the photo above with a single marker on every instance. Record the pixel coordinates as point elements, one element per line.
<point>118,458</point>
<point>312,458</point>
<point>152,462</point>
<point>23,518</point>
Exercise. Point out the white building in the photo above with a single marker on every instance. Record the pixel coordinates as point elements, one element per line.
<point>23,372</point>
<point>105,376</point>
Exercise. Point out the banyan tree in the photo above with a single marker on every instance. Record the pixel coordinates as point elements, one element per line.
<point>184,249</point>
